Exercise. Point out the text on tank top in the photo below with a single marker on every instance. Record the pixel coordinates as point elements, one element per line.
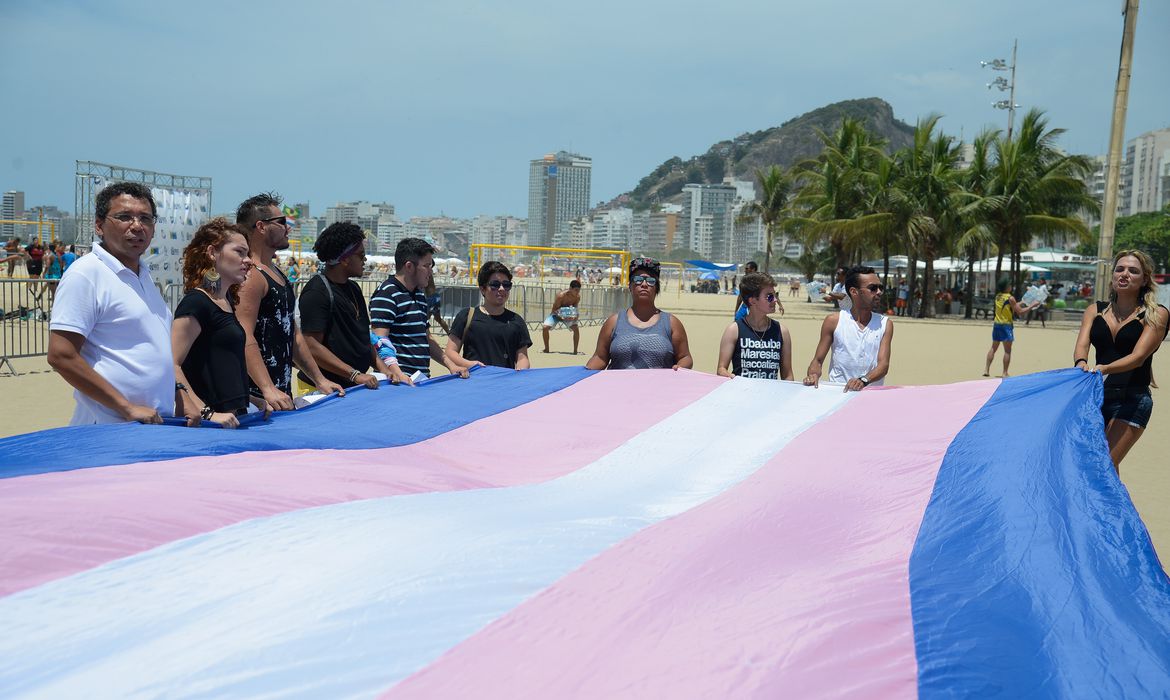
<point>641,348</point>
<point>855,349</point>
<point>757,355</point>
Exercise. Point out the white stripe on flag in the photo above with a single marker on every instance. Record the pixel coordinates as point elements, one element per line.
<point>345,600</point>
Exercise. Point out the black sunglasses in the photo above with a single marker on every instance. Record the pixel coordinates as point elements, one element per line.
<point>496,284</point>
<point>282,220</point>
<point>875,287</point>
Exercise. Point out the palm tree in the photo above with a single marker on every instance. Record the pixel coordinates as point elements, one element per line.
<point>836,187</point>
<point>773,206</point>
<point>930,178</point>
<point>975,234</point>
<point>1034,190</point>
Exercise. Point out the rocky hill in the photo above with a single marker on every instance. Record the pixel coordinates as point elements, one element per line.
<point>784,145</point>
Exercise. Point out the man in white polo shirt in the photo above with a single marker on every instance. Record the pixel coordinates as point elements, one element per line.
<point>110,333</point>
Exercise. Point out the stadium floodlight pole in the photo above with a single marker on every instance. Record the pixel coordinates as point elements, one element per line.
<point>1005,85</point>
<point>1116,142</point>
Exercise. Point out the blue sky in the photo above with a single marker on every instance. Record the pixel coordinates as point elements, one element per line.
<point>438,106</point>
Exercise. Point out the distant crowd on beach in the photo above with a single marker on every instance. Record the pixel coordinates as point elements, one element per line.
<point>234,341</point>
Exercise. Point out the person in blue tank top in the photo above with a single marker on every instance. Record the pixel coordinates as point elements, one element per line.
<point>756,346</point>
<point>643,336</point>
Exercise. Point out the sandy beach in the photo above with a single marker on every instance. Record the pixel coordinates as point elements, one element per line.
<point>924,352</point>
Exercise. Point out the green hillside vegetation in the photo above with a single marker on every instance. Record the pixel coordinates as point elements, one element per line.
<point>786,145</point>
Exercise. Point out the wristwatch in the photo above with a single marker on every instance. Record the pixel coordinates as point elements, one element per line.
<point>864,380</point>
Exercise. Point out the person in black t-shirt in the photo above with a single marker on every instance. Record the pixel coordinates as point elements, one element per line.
<point>211,375</point>
<point>494,335</point>
<point>334,318</point>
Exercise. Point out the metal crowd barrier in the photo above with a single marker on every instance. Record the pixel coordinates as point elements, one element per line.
<point>25,305</point>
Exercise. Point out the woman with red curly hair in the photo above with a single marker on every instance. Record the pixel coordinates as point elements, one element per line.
<point>207,340</point>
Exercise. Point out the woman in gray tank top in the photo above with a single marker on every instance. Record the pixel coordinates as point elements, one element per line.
<point>642,337</point>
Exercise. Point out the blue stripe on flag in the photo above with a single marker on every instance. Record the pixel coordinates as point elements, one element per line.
<point>1032,575</point>
<point>354,423</point>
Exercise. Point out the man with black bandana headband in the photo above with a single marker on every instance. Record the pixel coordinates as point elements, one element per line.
<point>334,318</point>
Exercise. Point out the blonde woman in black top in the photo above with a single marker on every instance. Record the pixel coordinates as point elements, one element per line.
<point>1125,332</point>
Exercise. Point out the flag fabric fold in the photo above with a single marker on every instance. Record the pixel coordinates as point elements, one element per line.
<point>584,534</point>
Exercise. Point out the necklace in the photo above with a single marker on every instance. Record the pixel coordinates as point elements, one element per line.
<point>759,334</point>
<point>1122,319</point>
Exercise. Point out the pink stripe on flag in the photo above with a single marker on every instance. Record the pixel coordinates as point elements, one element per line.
<point>58,524</point>
<point>793,584</point>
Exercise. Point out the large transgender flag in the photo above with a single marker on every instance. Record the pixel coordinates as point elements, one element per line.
<point>564,533</point>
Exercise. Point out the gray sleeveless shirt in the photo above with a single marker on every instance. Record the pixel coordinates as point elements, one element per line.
<point>641,348</point>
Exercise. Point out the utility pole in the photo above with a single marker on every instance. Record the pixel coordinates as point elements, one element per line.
<point>1113,162</point>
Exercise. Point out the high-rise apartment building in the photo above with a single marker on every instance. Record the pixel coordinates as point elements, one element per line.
<point>613,228</point>
<point>558,192</point>
<point>1145,174</point>
<point>55,223</point>
<point>700,234</point>
<point>11,207</point>
<point>390,232</point>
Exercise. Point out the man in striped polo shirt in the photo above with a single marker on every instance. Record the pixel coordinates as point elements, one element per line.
<point>398,309</point>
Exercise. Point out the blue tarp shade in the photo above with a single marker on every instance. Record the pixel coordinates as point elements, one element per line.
<point>709,276</point>
<point>708,265</point>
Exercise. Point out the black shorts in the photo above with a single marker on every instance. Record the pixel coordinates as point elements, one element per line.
<point>34,268</point>
<point>1132,406</point>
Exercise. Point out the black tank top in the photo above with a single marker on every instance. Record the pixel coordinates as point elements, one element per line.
<point>274,331</point>
<point>1110,349</point>
<point>757,355</point>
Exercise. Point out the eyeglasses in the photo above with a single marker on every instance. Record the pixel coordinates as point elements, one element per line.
<point>143,219</point>
<point>770,297</point>
<point>279,220</point>
<point>644,279</point>
<point>875,287</point>
<point>496,284</point>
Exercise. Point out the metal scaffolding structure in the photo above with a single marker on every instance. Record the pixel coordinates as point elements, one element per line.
<point>91,177</point>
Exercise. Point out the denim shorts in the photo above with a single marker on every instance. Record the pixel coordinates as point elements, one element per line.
<point>1003,333</point>
<point>1128,406</point>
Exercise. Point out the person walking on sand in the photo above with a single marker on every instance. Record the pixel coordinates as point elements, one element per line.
<point>861,337</point>
<point>565,312</point>
<point>1003,330</point>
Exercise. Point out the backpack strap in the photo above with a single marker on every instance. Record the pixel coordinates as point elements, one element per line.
<point>328,293</point>
<point>466,328</point>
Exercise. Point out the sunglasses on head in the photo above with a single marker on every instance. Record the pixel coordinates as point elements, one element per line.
<point>496,284</point>
<point>644,279</point>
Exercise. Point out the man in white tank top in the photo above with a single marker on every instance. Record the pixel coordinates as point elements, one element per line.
<point>860,338</point>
